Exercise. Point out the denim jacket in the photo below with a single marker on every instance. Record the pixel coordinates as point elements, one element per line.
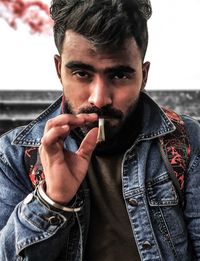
<point>162,229</point>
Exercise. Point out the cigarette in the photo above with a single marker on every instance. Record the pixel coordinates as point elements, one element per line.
<point>101,132</point>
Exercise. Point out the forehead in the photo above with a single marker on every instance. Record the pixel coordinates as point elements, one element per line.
<point>78,47</point>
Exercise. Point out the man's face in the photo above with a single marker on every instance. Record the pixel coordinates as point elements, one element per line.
<point>108,83</point>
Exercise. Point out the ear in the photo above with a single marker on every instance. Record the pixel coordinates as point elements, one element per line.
<point>57,60</point>
<point>145,72</point>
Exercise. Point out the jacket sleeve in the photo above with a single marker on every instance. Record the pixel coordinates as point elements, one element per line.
<point>29,230</point>
<point>192,189</point>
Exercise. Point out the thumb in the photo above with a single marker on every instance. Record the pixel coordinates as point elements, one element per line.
<point>88,144</point>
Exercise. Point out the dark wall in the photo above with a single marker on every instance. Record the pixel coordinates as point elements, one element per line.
<point>20,107</point>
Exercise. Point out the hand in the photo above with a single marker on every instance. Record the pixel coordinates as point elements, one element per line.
<point>64,170</point>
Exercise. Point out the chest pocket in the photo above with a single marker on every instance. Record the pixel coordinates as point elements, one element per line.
<point>165,210</point>
<point>161,191</point>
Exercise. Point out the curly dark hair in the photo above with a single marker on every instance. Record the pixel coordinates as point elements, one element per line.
<point>106,23</point>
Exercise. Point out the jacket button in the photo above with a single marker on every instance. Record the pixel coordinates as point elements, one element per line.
<point>147,245</point>
<point>133,202</point>
<point>54,220</point>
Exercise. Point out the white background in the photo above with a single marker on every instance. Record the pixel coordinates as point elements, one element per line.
<point>26,61</point>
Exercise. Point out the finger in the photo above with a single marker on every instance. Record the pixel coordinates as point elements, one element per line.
<point>71,120</point>
<point>54,135</point>
<point>88,144</point>
<point>64,119</point>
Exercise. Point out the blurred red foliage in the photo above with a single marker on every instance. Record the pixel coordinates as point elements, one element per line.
<point>31,12</point>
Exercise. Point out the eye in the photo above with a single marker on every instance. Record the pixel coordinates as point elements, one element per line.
<point>81,74</point>
<point>120,76</point>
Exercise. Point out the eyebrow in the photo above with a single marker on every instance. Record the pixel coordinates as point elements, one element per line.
<point>120,68</point>
<point>84,66</point>
<point>79,65</point>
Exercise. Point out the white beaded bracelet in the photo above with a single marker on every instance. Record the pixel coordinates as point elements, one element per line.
<point>53,204</point>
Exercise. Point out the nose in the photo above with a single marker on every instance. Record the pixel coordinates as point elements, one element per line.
<point>100,93</point>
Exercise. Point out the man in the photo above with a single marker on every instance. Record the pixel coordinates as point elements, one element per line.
<point>112,200</point>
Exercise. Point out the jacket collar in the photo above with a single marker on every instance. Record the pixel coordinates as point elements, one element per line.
<point>155,123</point>
<point>32,133</point>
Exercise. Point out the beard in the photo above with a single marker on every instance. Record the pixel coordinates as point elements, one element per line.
<point>116,122</point>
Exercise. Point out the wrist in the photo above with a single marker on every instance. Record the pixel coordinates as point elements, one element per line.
<point>59,196</point>
<point>51,203</point>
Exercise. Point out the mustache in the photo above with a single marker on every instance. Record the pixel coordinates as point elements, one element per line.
<point>106,111</point>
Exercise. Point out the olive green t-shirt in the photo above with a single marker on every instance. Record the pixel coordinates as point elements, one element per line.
<point>110,235</point>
